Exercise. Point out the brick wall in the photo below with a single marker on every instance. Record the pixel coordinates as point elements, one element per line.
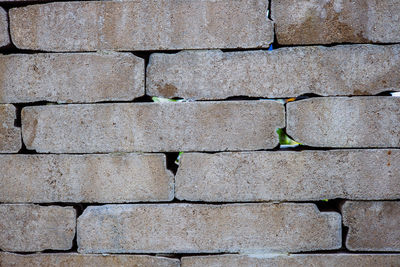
<point>284,112</point>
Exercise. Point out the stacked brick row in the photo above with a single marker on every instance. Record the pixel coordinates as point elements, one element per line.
<point>84,155</point>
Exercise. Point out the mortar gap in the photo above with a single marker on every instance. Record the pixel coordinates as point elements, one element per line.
<point>8,5</point>
<point>171,157</point>
<point>21,105</point>
<point>238,49</point>
<point>329,205</point>
<point>306,96</point>
<point>275,44</point>
<point>18,121</point>
<point>345,231</point>
<point>241,97</point>
<point>386,93</point>
<point>142,99</point>
<point>269,11</point>
<point>24,150</point>
<point>20,252</point>
<point>181,255</point>
<point>332,44</point>
<point>316,252</point>
<point>142,54</point>
<point>283,135</point>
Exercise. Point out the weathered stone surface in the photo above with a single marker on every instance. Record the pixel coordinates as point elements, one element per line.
<point>153,127</point>
<point>345,122</point>
<point>85,178</point>
<point>294,260</point>
<point>373,226</point>
<point>4,36</point>
<point>26,227</point>
<point>142,25</point>
<point>288,175</point>
<point>74,259</point>
<point>336,21</point>
<point>10,136</point>
<point>286,72</point>
<point>188,228</point>
<point>77,77</point>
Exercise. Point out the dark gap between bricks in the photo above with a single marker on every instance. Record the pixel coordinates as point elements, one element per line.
<point>8,5</point>
<point>330,205</point>
<point>148,99</point>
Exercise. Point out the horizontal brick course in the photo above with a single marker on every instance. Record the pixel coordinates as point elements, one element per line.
<point>28,228</point>
<point>373,226</point>
<point>10,136</point>
<point>345,122</point>
<point>74,259</point>
<point>85,178</point>
<point>292,176</point>
<point>187,228</point>
<point>331,21</point>
<point>142,25</point>
<point>153,127</point>
<point>285,72</point>
<point>4,35</point>
<point>78,77</point>
<point>321,260</point>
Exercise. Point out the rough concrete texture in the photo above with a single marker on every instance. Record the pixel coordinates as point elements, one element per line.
<point>373,226</point>
<point>85,178</point>
<point>336,21</point>
<point>289,175</point>
<point>10,136</point>
<point>142,25</point>
<point>84,260</point>
<point>188,228</point>
<point>4,35</point>
<point>153,127</point>
<point>345,122</point>
<point>28,228</point>
<point>281,260</point>
<point>286,72</point>
<point>77,77</point>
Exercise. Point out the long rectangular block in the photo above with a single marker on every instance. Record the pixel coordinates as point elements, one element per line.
<point>292,176</point>
<point>333,21</point>
<point>153,127</point>
<point>28,228</point>
<point>142,25</point>
<point>10,136</point>
<point>373,226</point>
<point>4,35</point>
<point>75,259</point>
<point>77,77</point>
<point>187,228</point>
<point>294,260</point>
<point>345,122</point>
<point>285,72</point>
<point>85,178</point>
